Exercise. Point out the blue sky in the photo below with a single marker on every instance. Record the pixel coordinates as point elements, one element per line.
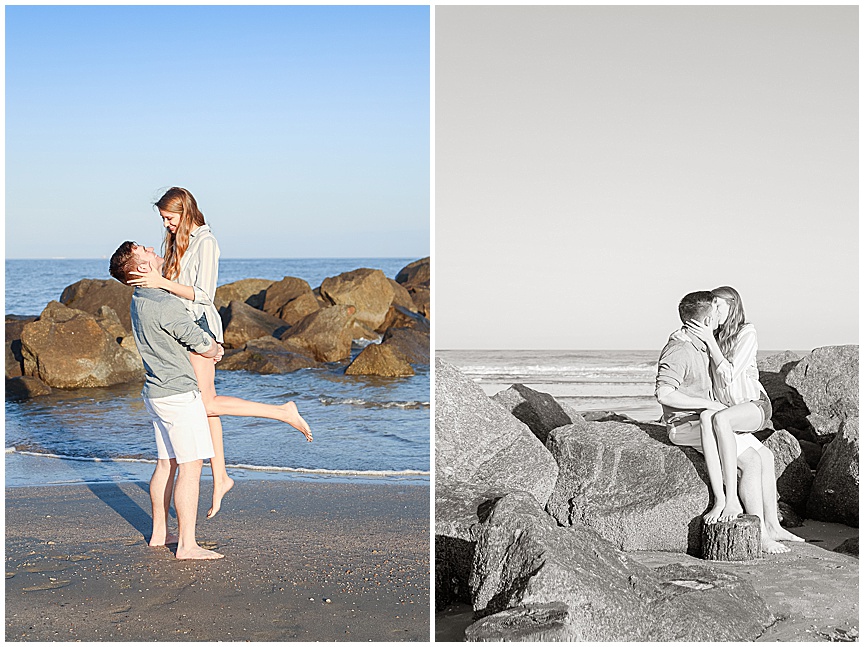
<point>302,131</point>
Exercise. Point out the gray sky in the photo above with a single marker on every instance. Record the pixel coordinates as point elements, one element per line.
<point>595,164</point>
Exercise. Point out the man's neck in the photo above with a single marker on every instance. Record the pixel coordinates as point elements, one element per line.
<point>698,343</point>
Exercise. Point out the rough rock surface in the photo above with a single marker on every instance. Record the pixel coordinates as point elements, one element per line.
<point>794,477</point>
<point>629,484</point>
<point>412,345</point>
<point>369,291</point>
<point>242,322</point>
<point>523,558</point>
<point>14,359</point>
<point>325,334</point>
<point>478,441</point>
<point>67,348</point>
<point>293,311</point>
<point>422,300</point>
<point>24,387</point>
<point>538,410</point>
<point>381,360</point>
<point>834,496</point>
<point>266,355</point>
<point>812,453</point>
<point>827,380</point>
<point>91,294</point>
<point>848,547</point>
<point>290,299</point>
<point>415,275</point>
<point>399,317</point>
<point>249,291</point>
<point>401,297</point>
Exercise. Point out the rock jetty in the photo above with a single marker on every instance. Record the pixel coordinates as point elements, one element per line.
<point>538,506</point>
<point>85,339</point>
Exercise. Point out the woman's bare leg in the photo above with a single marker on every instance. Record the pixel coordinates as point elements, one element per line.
<point>752,494</point>
<point>712,462</point>
<point>769,499</point>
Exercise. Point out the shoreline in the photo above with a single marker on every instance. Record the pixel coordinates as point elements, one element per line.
<point>304,561</point>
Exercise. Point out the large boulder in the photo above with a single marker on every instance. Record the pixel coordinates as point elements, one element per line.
<point>242,322</point>
<point>401,297</point>
<point>834,496</point>
<point>628,483</point>
<point>67,348</point>
<point>25,387</point>
<point>412,345</point>
<point>266,355</point>
<point>14,359</point>
<point>538,410</point>
<point>415,275</point>
<point>523,559</point>
<point>794,477</point>
<point>325,334</point>
<point>478,441</point>
<point>381,360</point>
<point>91,294</point>
<point>422,298</point>
<point>290,299</point>
<point>249,291</point>
<point>367,290</point>
<point>400,317</point>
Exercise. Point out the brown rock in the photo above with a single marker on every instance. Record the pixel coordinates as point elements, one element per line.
<point>399,317</point>
<point>15,324</point>
<point>14,359</point>
<point>401,297</point>
<point>243,322</point>
<point>411,345</point>
<point>67,348</point>
<point>290,299</point>
<point>91,294</point>
<point>296,309</point>
<point>266,355</point>
<point>25,387</point>
<point>367,290</point>
<point>415,275</point>
<point>421,300</point>
<point>325,334</point>
<point>249,291</point>
<point>361,332</point>
<point>378,359</point>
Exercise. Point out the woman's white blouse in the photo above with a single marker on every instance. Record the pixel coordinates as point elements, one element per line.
<point>199,268</point>
<point>736,378</point>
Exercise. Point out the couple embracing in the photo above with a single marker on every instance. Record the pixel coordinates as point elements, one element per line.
<point>708,385</point>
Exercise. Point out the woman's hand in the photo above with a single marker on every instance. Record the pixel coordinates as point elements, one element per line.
<point>700,331</point>
<point>151,279</point>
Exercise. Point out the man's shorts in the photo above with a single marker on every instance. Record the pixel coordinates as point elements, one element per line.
<point>180,423</point>
<point>688,431</point>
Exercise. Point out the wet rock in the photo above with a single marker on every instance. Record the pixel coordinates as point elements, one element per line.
<point>794,477</point>
<point>290,299</point>
<point>827,380</point>
<point>538,410</point>
<point>411,345</point>
<point>522,557</point>
<point>367,290</point>
<point>361,332</point>
<point>242,322</point>
<point>266,355</point>
<point>91,294</point>
<point>325,334</point>
<point>381,360</point>
<point>249,291</point>
<point>848,547</point>
<point>834,496</point>
<point>25,387</point>
<point>628,483</point>
<point>67,348</point>
<point>478,441</point>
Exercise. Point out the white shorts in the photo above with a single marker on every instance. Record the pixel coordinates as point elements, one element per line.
<point>688,432</point>
<point>180,423</point>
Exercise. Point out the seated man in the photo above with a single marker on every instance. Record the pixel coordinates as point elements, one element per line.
<point>164,334</point>
<point>683,389</point>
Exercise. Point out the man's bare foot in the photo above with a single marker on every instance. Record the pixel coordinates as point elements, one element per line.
<point>773,547</point>
<point>781,534</point>
<point>196,552</point>
<point>731,510</point>
<point>713,515</point>
<point>293,418</point>
<point>167,540</point>
<point>219,491</point>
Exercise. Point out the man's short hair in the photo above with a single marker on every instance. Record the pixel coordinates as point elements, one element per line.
<point>695,305</point>
<point>123,261</point>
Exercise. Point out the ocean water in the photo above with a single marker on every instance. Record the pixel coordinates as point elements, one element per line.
<point>371,428</point>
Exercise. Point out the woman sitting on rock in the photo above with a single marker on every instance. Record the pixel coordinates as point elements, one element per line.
<point>735,380</point>
<point>191,267</point>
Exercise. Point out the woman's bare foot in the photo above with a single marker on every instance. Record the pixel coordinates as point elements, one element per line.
<point>779,533</point>
<point>196,552</point>
<point>731,510</point>
<point>219,491</point>
<point>773,547</point>
<point>293,418</point>
<point>167,540</point>
<point>713,515</point>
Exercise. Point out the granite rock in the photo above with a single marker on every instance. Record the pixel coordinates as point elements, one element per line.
<point>538,410</point>
<point>266,355</point>
<point>369,291</point>
<point>91,294</point>
<point>325,334</point>
<point>834,496</point>
<point>242,322</point>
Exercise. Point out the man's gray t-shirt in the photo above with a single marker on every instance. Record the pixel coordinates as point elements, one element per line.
<point>164,335</point>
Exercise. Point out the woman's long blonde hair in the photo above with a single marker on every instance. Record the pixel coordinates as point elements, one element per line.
<point>178,200</point>
<point>730,328</point>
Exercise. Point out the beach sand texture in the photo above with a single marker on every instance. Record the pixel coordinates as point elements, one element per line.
<point>304,561</point>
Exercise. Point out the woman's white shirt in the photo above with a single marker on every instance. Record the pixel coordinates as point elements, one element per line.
<point>199,268</point>
<point>736,378</point>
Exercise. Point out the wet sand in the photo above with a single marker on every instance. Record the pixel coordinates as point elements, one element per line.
<point>304,561</point>
<point>812,591</point>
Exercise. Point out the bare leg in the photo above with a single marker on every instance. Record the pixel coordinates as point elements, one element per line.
<point>161,489</point>
<point>186,504</point>
<point>751,494</point>
<point>769,499</point>
<point>741,417</point>
<point>712,462</point>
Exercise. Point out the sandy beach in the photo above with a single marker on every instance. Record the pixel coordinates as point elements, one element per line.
<point>304,561</point>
